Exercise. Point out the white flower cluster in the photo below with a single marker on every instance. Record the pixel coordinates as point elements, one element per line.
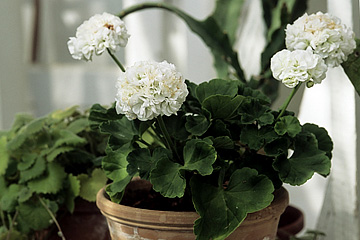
<point>97,34</point>
<point>314,42</point>
<point>292,67</point>
<point>324,34</point>
<point>149,89</point>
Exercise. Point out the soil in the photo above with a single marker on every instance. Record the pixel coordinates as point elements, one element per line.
<point>146,198</point>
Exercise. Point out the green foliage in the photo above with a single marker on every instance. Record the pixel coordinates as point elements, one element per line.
<point>352,67</point>
<point>242,147</point>
<point>53,158</point>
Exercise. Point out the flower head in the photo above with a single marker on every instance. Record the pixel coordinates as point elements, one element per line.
<point>324,34</point>
<point>292,67</point>
<point>149,89</point>
<point>97,34</point>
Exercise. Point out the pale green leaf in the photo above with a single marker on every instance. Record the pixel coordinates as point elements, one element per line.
<point>35,171</point>
<point>90,185</point>
<point>51,182</point>
<point>4,156</point>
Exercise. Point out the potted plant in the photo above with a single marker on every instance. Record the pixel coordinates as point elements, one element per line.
<point>212,158</point>
<point>47,165</point>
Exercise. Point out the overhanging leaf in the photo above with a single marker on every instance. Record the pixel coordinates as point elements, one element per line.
<point>222,210</point>
<point>115,163</point>
<point>305,161</point>
<point>197,124</point>
<point>324,141</point>
<point>35,171</point>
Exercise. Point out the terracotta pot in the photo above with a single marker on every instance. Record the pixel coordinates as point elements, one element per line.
<point>291,223</point>
<point>133,223</point>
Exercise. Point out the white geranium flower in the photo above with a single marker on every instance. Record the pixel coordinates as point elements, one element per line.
<point>149,89</point>
<point>293,67</point>
<point>324,34</point>
<point>97,34</point>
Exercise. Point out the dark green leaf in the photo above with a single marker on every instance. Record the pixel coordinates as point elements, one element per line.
<point>222,210</point>
<point>222,107</point>
<point>217,86</point>
<point>289,125</point>
<point>252,110</point>
<point>115,190</point>
<point>352,67</point>
<point>324,141</point>
<point>141,161</point>
<point>223,142</point>
<point>304,162</point>
<point>99,115</point>
<point>197,124</point>
<point>122,130</point>
<point>199,156</point>
<point>175,124</point>
<point>166,178</point>
<point>256,138</point>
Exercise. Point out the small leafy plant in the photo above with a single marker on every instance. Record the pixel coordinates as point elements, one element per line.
<point>45,164</point>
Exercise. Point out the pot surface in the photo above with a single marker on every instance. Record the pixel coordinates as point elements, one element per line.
<point>126,222</point>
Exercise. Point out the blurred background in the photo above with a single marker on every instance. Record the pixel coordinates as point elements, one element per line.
<point>38,75</point>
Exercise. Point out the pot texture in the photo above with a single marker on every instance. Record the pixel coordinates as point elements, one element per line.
<point>126,222</point>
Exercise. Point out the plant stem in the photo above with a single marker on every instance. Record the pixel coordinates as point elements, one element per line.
<point>12,225</point>
<point>3,219</point>
<point>169,143</point>
<point>52,217</point>
<point>116,60</point>
<point>287,102</point>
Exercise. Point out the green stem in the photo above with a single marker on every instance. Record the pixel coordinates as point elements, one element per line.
<point>12,225</point>
<point>53,218</point>
<point>287,102</point>
<point>116,60</point>
<point>3,219</point>
<point>168,142</point>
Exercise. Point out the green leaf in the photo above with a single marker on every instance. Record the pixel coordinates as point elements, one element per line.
<point>122,131</point>
<point>13,235</point>
<point>61,114</point>
<point>256,138</point>
<point>352,67</point>
<point>115,163</point>
<point>223,210</point>
<point>4,156</point>
<point>34,214</point>
<point>289,125</point>
<point>222,107</point>
<point>199,156</point>
<point>324,141</point>
<point>33,172</point>
<point>167,179</point>
<point>25,132</point>
<point>51,155</point>
<point>175,124</point>
<point>252,110</point>
<point>216,86</point>
<point>28,159</point>
<point>78,125</point>
<point>141,161</point>
<point>90,185</point>
<point>115,190</point>
<point>72,192</point>
<point>304,162</point>
<point>52,182</point>
<point>223,142</point>
<point>25,194</point>
<point>65,137</point>
<point>99,114</point>
<point>9,200</point>
<point>197,124</point>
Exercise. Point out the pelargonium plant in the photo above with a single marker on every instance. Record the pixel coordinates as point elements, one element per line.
<point>218,144</point>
